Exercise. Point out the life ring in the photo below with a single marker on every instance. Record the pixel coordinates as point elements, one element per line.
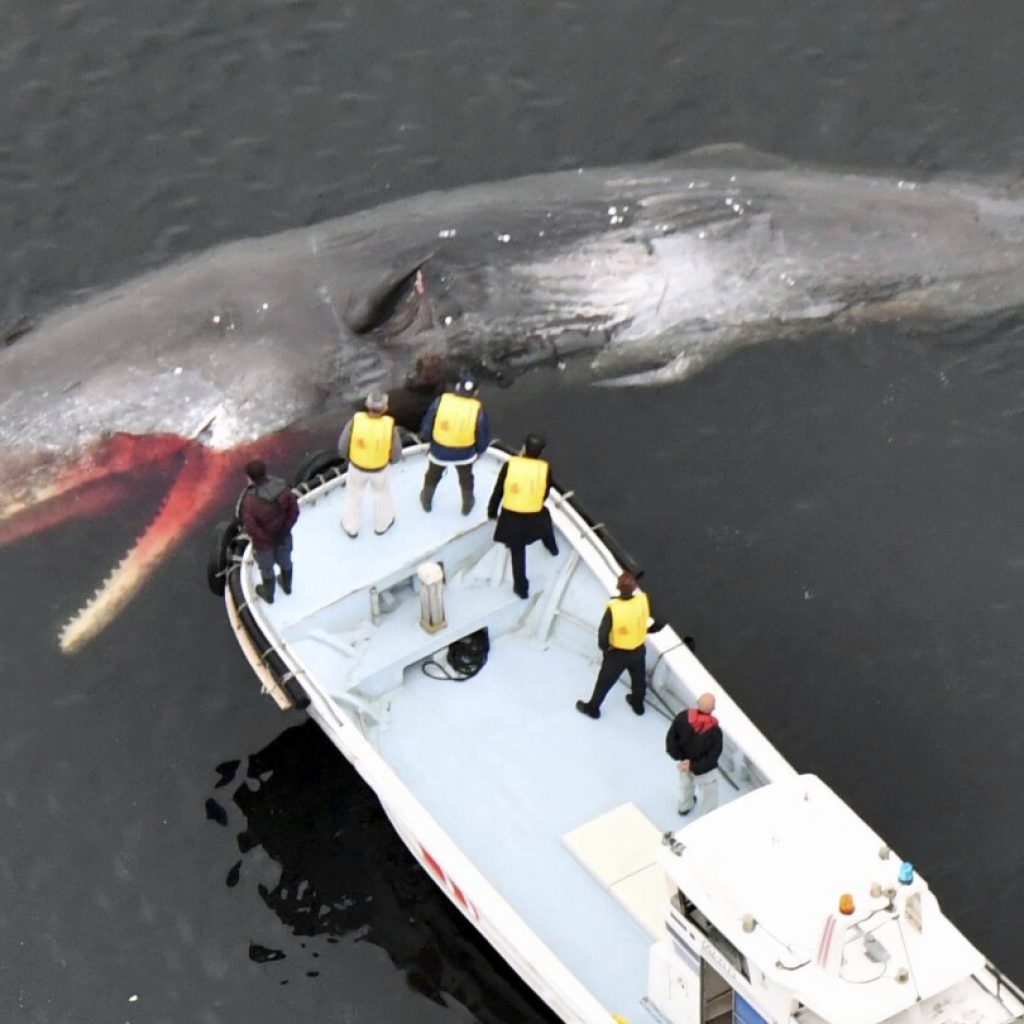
<point>318,466</point>
<point>225,534</point>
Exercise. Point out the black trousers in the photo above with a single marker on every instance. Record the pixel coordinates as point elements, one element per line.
<point>616,662</point>
<point>435,471</point>
<point>520,584</point>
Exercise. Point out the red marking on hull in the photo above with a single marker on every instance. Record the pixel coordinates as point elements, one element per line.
<point>448,884</point>
<point>435,868</point>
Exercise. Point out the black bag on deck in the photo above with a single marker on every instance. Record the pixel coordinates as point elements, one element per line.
<point>469,654</point>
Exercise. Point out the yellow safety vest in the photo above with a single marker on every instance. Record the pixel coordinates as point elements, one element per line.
<point>370,445</point>
<point>629,621</point>
<point>455,422</point>
<point>525,482</point>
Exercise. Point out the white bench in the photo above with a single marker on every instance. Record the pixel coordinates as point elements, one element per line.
<point>620,850</point>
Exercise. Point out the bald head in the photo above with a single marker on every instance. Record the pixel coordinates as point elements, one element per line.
<point>706,703</point>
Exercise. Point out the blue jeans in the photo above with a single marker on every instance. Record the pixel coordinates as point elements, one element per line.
<point>266,558</point>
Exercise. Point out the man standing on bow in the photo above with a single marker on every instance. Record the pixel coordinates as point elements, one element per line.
<point>371,444</point>
<point>520,490</point>
<point>268,510</point>
<point>621,636</point>
<point>694,742</point>
<point>456,426</point>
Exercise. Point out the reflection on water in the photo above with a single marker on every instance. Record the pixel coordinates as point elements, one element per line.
<point>317,846</point>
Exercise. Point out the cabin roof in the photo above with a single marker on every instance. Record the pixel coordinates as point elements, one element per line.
<point>783,855</point>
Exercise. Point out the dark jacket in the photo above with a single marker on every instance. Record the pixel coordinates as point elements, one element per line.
<point>518,527</point>
<point>268,512</point>
<point>442,453</point>
<point>685,741</point>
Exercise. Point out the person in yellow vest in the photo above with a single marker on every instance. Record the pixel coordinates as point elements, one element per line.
<point>370,443</point>
<point>520,490</point>
<point>621,636</point>
<point>456,426</point>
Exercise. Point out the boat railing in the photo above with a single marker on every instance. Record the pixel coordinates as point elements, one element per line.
<point>675,668</point>
<point>280,673</point>
<point>1005,987</point>
<point>677,676</point>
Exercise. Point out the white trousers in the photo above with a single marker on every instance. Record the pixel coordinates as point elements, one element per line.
<point>352,507</point>
<point>705,786</point>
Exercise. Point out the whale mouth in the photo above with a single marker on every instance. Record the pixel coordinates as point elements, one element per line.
<point>200,481</point>
<point>195,490</point>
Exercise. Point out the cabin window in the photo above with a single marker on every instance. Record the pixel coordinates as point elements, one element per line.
<point>699,920</point>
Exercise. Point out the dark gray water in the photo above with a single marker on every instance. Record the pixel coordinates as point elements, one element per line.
<point>836,521</point>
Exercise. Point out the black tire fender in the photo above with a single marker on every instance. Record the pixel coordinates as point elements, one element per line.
<point>316,464</point>
<point>225,533</point>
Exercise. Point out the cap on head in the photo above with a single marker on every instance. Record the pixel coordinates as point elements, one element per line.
<point>376,401</point>
<point>256,470</point>
<point>466,387</point>
<point>533,445</point>
<point>626,584</point>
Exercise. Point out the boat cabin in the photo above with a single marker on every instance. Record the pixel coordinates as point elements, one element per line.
<point>788,907</point>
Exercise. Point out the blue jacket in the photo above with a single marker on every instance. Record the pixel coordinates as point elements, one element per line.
<point>441,452</point>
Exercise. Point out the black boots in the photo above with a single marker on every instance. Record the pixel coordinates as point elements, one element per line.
<point>585,709</point>
<point>427,500</point>
<point>265,590</point>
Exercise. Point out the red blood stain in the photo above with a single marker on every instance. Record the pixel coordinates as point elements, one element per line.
<point>199,482</point>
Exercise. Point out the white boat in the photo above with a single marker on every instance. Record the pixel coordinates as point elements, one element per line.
<point>558,836</point>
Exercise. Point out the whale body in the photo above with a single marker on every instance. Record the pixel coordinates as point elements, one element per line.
<point>637,274</point>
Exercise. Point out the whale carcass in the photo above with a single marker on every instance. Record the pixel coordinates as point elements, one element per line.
<point>637,274</point>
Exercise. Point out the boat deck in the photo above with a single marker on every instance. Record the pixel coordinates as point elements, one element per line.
<point>502,761</point>
<point>509,767</point>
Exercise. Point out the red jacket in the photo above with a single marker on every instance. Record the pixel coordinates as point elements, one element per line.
<point>268,512</point>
